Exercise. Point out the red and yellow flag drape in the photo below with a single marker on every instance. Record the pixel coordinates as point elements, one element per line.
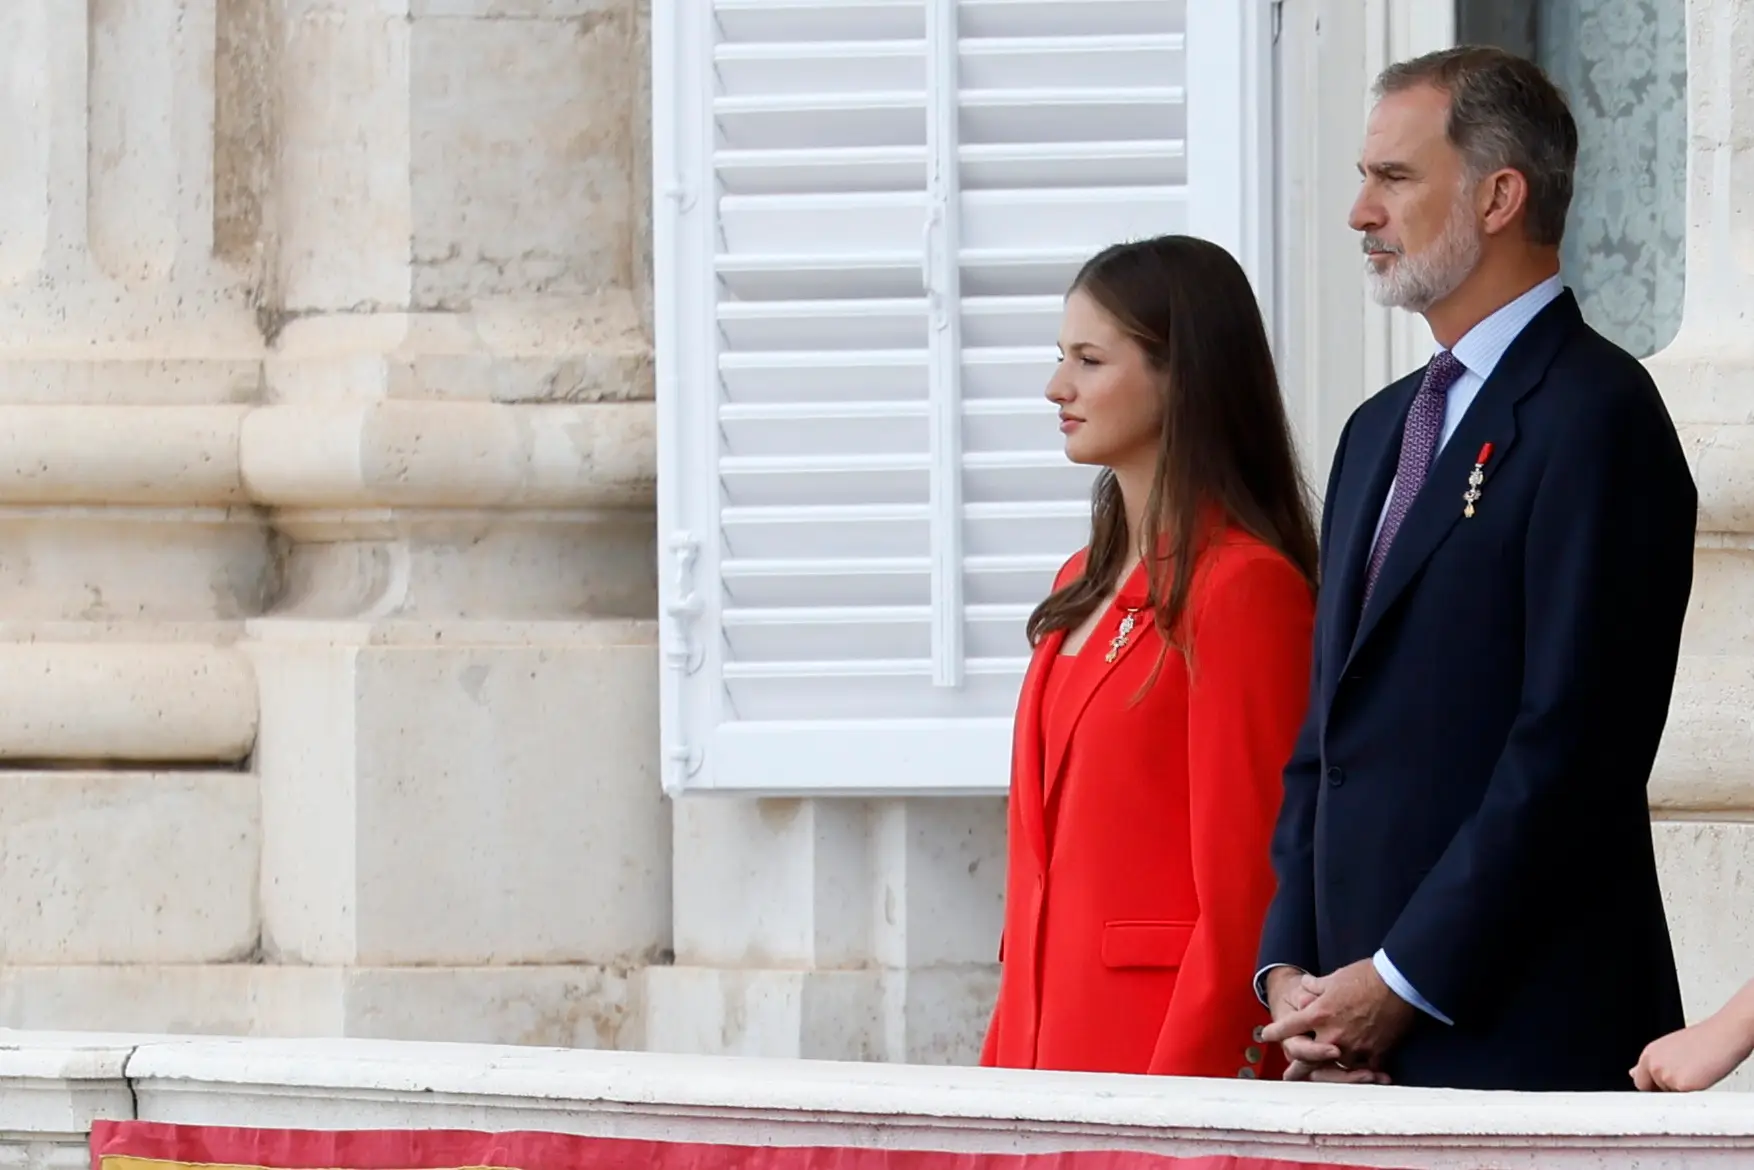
<point>146,1145</point>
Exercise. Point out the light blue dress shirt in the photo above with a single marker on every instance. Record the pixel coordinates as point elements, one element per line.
<point>1479,351</point>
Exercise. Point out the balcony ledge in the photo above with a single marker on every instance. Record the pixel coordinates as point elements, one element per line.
<point>327,1084</point>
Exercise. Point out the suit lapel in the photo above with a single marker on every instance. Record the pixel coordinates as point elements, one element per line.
<point>1357,528</point>
<point>1490,419</point>
<point>1090,669</point>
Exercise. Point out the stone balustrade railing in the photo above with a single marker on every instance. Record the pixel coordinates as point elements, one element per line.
<point>53,1085</point>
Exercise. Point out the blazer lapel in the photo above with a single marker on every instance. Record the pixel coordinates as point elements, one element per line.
<point>1090,669</point>
<point>1028,741</point>
<point>1490,419</point>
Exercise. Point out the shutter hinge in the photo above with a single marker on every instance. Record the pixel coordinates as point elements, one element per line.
<point>683,762</point>
<point>681,652</point>
<point>679,192</point>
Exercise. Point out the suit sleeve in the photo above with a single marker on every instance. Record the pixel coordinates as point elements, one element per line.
<point>1608,566</point>
<point>1251,646</point>
<point>1289,935</point>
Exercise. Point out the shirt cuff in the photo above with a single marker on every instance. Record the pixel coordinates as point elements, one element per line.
<point>1399,985</point>
<point>1261,980</point>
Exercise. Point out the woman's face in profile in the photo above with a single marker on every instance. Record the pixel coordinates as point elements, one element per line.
<point>1110,407</point>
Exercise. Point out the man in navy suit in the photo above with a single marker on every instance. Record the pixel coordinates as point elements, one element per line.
<point>1467,889</point>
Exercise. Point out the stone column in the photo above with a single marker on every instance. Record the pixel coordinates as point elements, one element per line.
<point>1703,793</point>
<point>324,368</point>
<point>130,264</point>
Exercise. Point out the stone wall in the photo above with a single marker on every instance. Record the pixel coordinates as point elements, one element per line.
<point>326,462</point>
<point>325,499</point>
<point>833,929</point>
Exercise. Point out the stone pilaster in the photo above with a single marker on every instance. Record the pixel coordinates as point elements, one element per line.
<point>458,740</point>
<point>129,355</point>
<point>1703,792</point>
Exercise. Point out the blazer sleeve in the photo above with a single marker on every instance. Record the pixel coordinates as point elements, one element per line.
<point>1247,689</point>
<point>1608,566</point>
<point>1289,935</point>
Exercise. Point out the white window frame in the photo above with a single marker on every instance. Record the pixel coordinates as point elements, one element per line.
<point>1337,346</point>
<point>1237,142</point>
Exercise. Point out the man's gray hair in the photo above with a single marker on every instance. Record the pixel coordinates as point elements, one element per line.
<point>1503,112</point>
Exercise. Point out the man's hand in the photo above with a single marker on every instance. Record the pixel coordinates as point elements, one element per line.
<point>1694,1058</point>
<point>1286,996</point>
<point>1310,1059</point>
<point>1333,1074</point>
<point>1353,1019</point>
<point>1285,993</point>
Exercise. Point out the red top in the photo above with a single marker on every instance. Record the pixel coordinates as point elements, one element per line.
<point>1131,929</point>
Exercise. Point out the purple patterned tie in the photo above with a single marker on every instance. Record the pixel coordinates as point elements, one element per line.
<point>1418,444</point>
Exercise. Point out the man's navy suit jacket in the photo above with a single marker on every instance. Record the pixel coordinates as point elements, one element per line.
<point>1468,789</point>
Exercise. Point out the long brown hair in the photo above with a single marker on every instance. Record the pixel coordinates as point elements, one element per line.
<point>1225,443</point>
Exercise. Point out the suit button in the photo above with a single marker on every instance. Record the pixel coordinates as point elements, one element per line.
<point>1246,1073</point>
<point>1336,777</point>
<point>1259,1034</point>
<point>1252,1055</point>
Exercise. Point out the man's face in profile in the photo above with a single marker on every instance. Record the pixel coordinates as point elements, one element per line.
<point>1422,236</point>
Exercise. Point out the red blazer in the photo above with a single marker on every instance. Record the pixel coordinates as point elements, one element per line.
<point>1138,874</point>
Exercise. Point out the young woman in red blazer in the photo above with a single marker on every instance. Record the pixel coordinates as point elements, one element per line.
<point>1169,676</point>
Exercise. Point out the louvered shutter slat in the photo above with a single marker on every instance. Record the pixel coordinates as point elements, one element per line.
<point>1060,18</point>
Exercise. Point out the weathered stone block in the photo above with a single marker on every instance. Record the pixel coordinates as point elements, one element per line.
<point>127,867</point>
<point>522,139</point>
<point>476,804</point>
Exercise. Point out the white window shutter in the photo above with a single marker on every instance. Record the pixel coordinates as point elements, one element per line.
<point>868,212</point>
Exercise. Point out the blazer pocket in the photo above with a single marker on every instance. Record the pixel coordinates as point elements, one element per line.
<point>1145,944</point>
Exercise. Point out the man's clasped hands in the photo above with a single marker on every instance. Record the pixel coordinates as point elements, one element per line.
<point>1335,1028</point>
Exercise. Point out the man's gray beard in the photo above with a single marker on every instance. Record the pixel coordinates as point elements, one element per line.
<point>1415,283</point>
